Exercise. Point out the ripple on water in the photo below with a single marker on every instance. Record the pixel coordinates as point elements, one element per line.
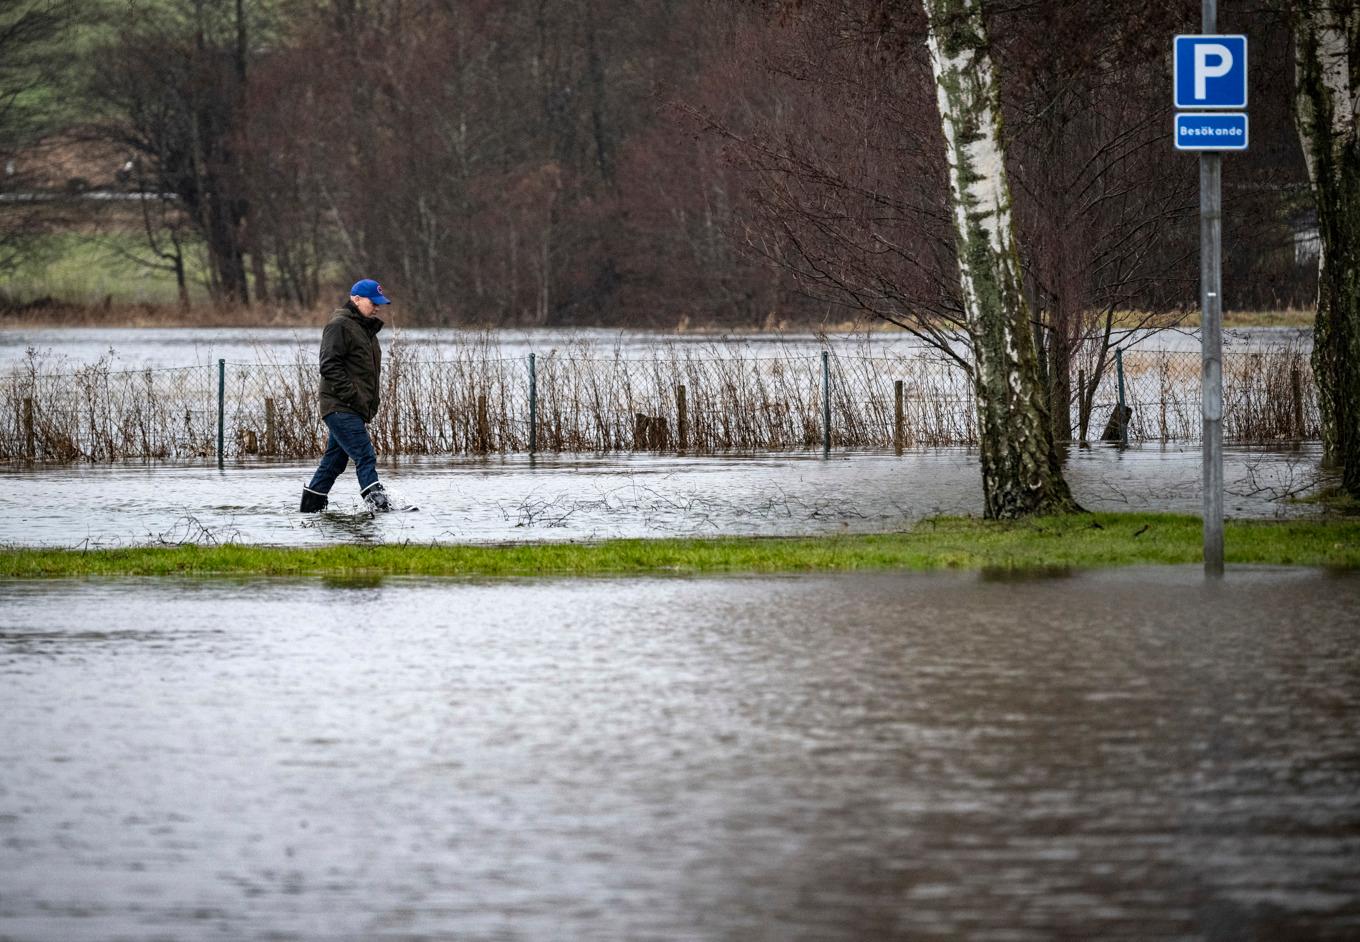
<point>1130,754</point>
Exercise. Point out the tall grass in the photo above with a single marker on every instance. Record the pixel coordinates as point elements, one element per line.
<point>96,413</point>
<point>471,399</point>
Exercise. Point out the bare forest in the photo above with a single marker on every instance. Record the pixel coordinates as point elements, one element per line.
<point>637,162</point>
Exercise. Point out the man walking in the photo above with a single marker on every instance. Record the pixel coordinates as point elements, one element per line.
<point>351,364</point>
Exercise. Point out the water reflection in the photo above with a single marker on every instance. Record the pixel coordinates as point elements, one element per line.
<point>1132,754</point>
<point>353,581</point>
<point>1025,574</point>
<point>340,526</point>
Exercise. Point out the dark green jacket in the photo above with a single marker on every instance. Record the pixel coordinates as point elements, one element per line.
<point>351,364</point>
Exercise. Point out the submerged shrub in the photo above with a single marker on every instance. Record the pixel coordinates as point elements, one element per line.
<point>471,398</point>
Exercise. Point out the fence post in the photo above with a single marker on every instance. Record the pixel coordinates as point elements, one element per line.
<point>270,427</point>
<point>533,405</point>
<point>826,402</point>
<point>30,440</point>
<point>681,419</point>
<point>1083,418</point>
<point>483,429</point>
<point>897,416</point>
<point>1123,413</point>
<point>1296,390</point>
<point>221,410</point>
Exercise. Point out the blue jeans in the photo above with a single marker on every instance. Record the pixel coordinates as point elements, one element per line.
<point>348,439</point>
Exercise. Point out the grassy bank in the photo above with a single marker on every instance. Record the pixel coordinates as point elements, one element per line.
<point>1091,540</point>
<point>84,271</point>
<point>1189,320</point>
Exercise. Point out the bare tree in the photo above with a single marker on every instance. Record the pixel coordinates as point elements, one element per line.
<point>837,142</point>
<point>28,73</point>
<point>1103,213</point>
<point>173,85</point>
<point>853,196</point>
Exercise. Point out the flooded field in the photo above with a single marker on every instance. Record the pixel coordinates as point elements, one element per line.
<point>1123,755</point>
<point>446,393</point>
<point>593,497</point>
<point>140,347</point>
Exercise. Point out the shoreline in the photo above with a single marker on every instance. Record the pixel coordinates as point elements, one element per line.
<point>1080,541</point>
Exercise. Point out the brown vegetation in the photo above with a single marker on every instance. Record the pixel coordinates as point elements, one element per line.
<point>471,400</point>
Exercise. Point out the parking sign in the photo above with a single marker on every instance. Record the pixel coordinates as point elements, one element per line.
<point>1211,71</point>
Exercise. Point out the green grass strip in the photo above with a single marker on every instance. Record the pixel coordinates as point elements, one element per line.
<point>1086,540</point>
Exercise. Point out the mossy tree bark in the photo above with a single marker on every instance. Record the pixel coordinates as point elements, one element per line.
<point>1021,471</point>
<point>1327,101</point>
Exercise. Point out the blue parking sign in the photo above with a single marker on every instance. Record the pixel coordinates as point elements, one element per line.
<point>1211,71</point>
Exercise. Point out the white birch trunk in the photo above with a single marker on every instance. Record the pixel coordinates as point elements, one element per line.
<point>1021,473</point>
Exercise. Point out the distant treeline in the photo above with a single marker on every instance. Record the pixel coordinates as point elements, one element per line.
<point>530,162</point>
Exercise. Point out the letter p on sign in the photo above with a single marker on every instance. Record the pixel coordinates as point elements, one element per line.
<point>1211,71</point>
<point>1204,52</point>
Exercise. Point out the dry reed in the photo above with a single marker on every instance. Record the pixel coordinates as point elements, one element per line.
<point>471,399</point>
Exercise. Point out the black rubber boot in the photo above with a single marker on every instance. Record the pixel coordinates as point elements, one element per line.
<point>376,498</point>
<point>312,502</point>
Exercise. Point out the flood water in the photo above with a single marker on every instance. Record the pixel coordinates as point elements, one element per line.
<point>141,347</point>
<point>579,497</point>
<point>1135,754</point>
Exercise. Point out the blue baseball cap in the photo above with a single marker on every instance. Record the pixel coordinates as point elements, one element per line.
<point>368,288</point>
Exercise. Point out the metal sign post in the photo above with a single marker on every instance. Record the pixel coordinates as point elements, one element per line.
<point>1211,350</point>
<point>1211,73</point>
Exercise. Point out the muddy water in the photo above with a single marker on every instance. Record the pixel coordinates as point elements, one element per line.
<point>1123,755</point>
<point>590,497</point>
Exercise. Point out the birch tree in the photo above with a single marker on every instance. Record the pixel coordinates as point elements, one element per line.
<point>1021,473</point>
<point>1327,98</point>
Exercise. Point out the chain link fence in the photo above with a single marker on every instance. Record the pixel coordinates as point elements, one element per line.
<point>584,399</point>
<point>1269,395</point>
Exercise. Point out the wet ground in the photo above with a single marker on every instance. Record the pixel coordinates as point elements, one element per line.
<point>1134,754</point>
<point>594,497</point>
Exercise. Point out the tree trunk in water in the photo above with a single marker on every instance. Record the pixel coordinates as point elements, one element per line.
<point>1060,374</point>
<point>1021,472</point>
<point>1328,82</point>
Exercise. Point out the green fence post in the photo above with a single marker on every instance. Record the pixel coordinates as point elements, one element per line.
<point>681,419</point>
<point>826,402</point>
<point>221,409</point>
<point>897,416</point>
<point>533,406</point>
<point>1123,409</point>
